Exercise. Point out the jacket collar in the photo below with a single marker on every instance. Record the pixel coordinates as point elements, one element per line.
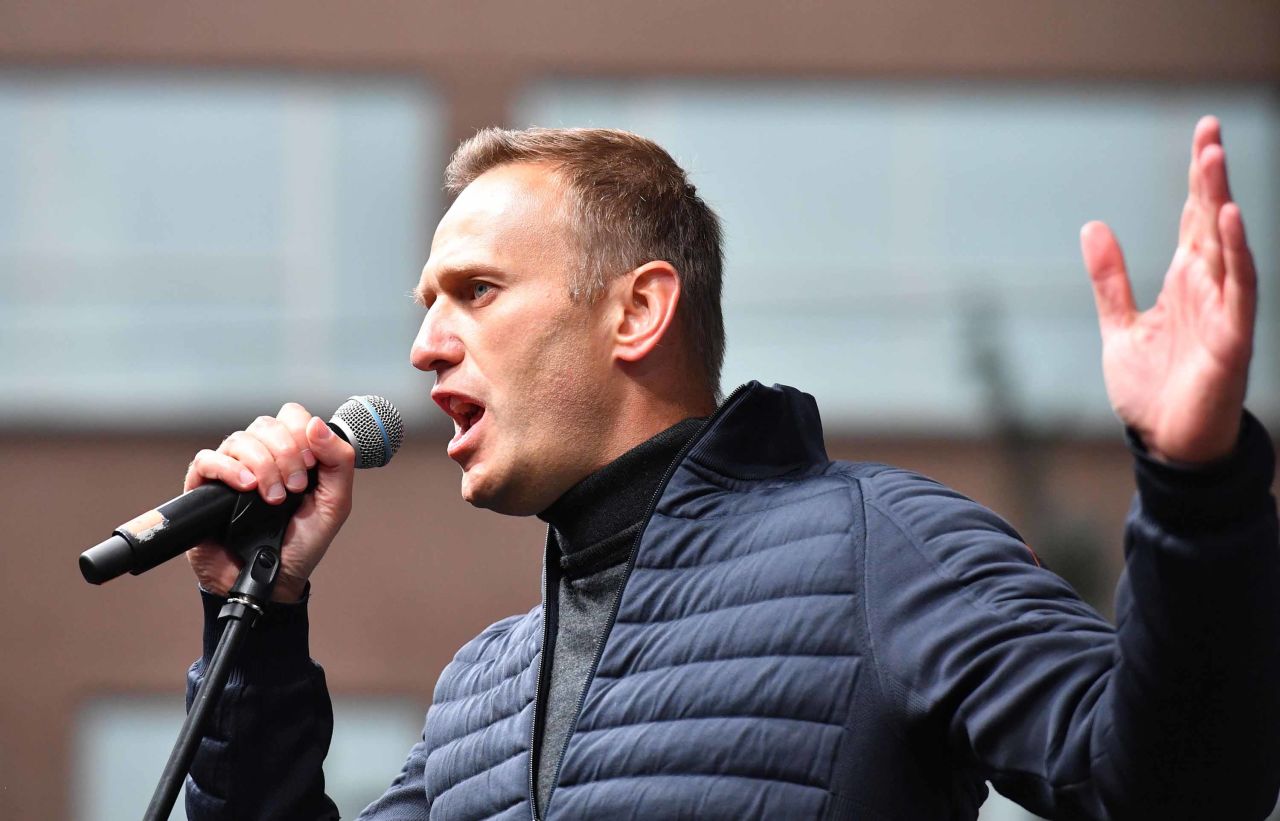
<point>762,432</point>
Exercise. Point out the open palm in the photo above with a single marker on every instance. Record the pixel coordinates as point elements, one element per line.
<point>1177,372</point>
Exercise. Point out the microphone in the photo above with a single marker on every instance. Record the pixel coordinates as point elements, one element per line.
<point>370,424</point>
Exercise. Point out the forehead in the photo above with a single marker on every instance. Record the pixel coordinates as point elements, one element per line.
<point>511,217</point>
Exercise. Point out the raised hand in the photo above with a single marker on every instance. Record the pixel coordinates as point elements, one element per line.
<point>1177,372</point>
<point>272,454</point>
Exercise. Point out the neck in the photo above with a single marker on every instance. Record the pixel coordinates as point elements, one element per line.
<point>645,411</point>
<point>596,520</point>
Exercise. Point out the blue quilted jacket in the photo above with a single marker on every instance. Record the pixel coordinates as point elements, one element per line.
<point>801,638</point>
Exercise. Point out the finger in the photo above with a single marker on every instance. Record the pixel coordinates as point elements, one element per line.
<point>211,465</point>
<point>1105,264</point>
<point>1199,215</point>
<point>1240,284</point>
<point>331,450</point>
<point>1187,223</point>
<point>257,457</point>
<point>1206,241</point>
<point>1213,180</point>
<point>1193,177</point>
<point>295,418</point>
<point>1208,132</point>
<point>335,458</point>
<point>285,450</point>
<point>1213,175</point>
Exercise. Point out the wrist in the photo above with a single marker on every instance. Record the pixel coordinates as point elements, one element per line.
<point>289,589</point>
<point>277,649</point>
<point>1204,451</point>
<point>1215,494</point>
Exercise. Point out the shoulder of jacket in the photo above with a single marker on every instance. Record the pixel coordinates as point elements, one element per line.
<point>918,505</point>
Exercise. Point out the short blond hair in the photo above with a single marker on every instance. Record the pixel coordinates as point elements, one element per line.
<point>632,204</point>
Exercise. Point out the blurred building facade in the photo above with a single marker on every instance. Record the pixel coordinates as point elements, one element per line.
<point>207,212</point>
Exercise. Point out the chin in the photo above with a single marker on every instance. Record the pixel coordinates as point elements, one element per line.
<point>473,490</point>
<point>480,490</point>
<point>491,493</point>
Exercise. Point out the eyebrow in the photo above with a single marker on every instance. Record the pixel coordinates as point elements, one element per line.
<point>453,273</point>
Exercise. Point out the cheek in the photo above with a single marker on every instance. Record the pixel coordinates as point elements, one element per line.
<point>554,401</point>
<point>551,369</point>
<point>561,359</point>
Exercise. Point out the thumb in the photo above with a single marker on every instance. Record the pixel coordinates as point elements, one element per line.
<point>1105,263</point>
<point>335,464</point>
<point>333,455</point>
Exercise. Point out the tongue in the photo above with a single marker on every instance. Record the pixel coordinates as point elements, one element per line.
<point>469,416</point>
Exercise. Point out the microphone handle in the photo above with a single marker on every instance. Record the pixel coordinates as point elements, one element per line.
<point>158,535</point>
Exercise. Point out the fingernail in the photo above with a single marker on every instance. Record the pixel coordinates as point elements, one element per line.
<point>309,458</point>
<point>323,433</point>
<point>297,480</point>
<point>276,493</point>
<point>246,478</point>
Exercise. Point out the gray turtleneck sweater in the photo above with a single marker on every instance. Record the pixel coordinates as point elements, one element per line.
<point>594,525</point>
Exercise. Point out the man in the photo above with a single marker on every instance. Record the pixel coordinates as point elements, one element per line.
<point>734,626</point>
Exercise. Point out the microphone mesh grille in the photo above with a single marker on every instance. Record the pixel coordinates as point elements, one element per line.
<point>377,426</point>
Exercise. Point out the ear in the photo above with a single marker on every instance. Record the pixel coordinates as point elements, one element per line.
<point>647,301</point>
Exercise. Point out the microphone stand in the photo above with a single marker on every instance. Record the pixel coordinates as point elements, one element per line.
<point>255,534</point>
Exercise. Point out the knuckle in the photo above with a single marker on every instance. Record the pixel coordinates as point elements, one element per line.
<point>275,434</point>
<point>200,468</point>
<point>298,431</point>
<point>286,448</point>
<point>258,463</point>
<point>265,468</point>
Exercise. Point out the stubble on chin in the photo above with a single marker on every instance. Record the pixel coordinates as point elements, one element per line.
<point>477,489</point>
<point>503,493</point>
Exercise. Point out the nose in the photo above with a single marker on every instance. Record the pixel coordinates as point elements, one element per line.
<point>436,346</point>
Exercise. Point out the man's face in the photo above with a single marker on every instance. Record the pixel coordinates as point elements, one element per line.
<point>522,369</point>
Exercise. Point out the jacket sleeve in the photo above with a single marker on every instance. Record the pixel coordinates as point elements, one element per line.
<point>262,754</point>
<point>1172,713</point>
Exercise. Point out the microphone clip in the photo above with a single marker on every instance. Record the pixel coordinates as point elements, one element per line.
<point>256,535</point>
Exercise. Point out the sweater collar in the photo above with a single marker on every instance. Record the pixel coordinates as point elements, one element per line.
<point>595,521</point>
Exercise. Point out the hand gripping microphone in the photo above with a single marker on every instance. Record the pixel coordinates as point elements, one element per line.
<point>370,424</point>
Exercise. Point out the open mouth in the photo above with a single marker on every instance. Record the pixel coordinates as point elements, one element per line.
<point>465,412</point>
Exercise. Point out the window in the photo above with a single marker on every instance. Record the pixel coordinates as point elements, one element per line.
<point>122,744</point>
<point>175,248</point>
<point>908,252</point>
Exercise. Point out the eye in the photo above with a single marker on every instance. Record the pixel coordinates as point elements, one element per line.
<point>479,290</point>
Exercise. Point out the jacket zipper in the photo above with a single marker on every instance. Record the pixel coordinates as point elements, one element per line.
<point>537,686</point>
<point>617,602</point>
